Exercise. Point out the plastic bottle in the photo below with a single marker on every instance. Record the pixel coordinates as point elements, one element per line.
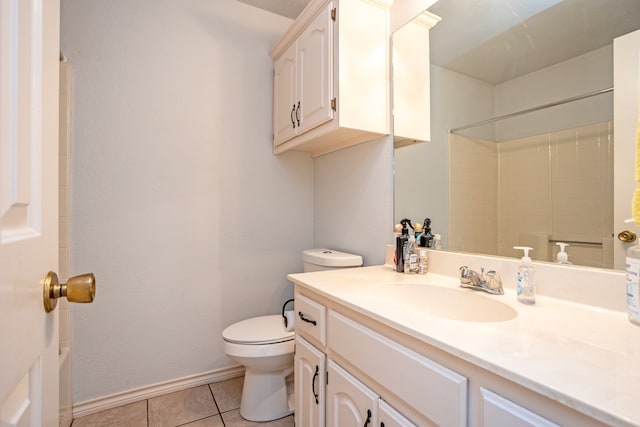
<point>417,227</point>
<point>633,292</point>
<point>401,242</point>
<point>526,286</point>
<point>437,241</point>
<point>426,237</point>
<point>423,262</point>
<point>562,257</point>
<point>410,256</point>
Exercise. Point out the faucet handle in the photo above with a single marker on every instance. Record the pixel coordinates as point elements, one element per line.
<point>464,274</point>
<point>494,281</point>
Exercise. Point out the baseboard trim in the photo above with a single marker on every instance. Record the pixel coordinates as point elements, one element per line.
<point>92,406</point>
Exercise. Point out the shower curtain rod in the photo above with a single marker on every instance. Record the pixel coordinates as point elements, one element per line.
<point>531,110</point>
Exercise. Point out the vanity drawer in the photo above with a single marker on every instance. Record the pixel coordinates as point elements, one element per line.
<point>435,391</point>
<point>311,320</point>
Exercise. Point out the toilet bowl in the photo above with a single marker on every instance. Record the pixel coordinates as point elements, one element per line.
<point>265,349</point>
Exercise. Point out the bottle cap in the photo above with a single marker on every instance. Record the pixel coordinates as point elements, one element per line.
<point>526,249</point>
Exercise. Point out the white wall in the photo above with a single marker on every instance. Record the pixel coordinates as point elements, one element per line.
<point>179,207</point>
<point>577,76</point>
<point>421,172</point>
<point>353,200</point>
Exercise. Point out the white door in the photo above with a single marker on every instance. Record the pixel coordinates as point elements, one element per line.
<point>349,402</point>
<point>29,67</point>
<point>315,71</point>
<point>626,84</point>
<point>309,384</point>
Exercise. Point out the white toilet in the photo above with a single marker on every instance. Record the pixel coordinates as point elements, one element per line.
<point>265,349</point>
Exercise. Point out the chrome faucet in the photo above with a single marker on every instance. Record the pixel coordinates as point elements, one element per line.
<point>492,283</point>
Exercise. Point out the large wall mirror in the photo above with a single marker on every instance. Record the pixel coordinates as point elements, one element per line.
<point>521,150</point>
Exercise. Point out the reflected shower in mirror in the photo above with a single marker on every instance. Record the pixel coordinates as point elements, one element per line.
<point>536,178</point>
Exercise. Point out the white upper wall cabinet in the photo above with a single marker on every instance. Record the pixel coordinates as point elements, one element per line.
<point>331,84</point>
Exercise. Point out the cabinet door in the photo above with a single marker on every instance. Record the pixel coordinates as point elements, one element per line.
<point>310,373</point>
<point>285,99</point>
<point>349,402</point>
<point>315,70</point>
<point>498,411</point>
<point>389,417</point>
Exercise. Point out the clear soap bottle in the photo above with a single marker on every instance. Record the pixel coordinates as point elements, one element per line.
<point>562,257</point>
<point>526,285</point>
<point>632,277</point>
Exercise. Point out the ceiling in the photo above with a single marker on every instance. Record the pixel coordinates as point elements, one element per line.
<point>289,8</point>
<point>499,40</point>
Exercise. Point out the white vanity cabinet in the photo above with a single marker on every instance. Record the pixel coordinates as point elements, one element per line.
<point>310,376</point>
<point>348,374</point>
<point>349,402</point>
<point>331,77</point>
<point>498,411</point>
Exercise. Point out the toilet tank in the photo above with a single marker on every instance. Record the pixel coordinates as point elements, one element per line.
<point>328,259</point>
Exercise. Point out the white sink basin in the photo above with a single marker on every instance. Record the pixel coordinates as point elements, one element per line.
<point>448,303</point>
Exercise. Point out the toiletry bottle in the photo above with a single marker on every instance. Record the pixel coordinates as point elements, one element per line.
<point>427,237</point>
<point>417,227</point>
<point>397,232</point>
<point>562,257</point>
<point>410,256</point>
<point>401,242</point>
<point>423,262</point>
<point>526,286</point>
<point>437,243</point>
<point>632,277</point>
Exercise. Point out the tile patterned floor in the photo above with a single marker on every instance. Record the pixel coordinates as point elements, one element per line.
<point>213,405</point>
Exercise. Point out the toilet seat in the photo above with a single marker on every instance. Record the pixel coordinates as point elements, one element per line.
<point>258,331</point>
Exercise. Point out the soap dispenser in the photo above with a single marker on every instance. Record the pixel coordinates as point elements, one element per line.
<point>526,287</point>
<point>562,257</point>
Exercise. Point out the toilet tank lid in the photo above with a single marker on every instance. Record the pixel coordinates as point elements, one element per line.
<point>330,258</point>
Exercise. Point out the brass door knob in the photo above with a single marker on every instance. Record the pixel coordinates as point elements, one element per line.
<point>627,236</point>
<point>80,288</point>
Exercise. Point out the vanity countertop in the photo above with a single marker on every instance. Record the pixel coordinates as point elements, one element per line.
<point>586,357</point>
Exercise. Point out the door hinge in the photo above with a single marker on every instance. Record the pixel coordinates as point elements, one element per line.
<point>333,14</point>
<point>333,104</point>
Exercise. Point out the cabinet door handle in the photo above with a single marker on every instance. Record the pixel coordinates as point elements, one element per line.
<point>304,319</point>
<point>298,114</point>
<point>293,109</point>
<point>368,420</point>
<point>313,385</point>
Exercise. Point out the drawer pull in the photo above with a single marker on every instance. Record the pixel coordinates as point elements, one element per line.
<point>298,114</point>
<point>304,319</point>
<point>368,420</point>
<point>313,385</point>
<point>293,123</point>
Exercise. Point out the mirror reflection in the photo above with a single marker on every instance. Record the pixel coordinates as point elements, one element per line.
<point>521,148</point>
